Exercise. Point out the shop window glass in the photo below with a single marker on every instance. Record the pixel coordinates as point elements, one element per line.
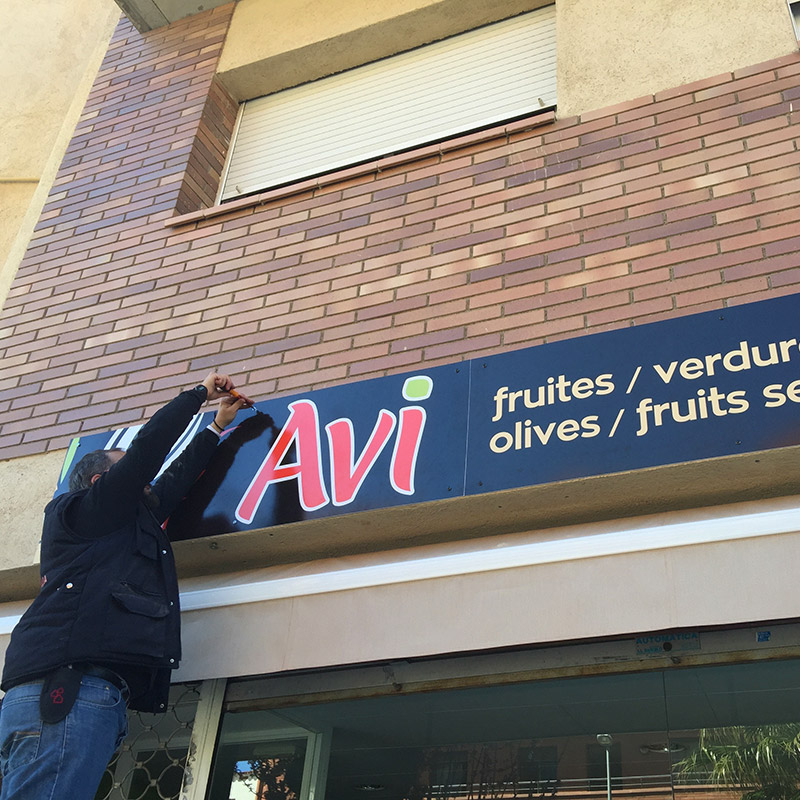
<point>668,735</point>
<point>735,732</point>
<point>538,766</point>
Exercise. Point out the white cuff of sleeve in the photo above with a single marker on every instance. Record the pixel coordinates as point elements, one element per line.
<point>213,429</point>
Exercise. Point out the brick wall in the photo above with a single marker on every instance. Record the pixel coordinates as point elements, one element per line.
<point>203,172</point>
<point>662,206</point>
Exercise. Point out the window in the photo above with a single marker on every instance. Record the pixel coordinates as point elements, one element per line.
<point>794,10</point>
<point>697,733</point>
<point>486,76</point>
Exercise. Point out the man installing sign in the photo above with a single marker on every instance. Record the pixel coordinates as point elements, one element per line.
<point>104,632</point>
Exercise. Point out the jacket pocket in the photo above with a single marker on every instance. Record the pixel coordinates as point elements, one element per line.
<point>136,624</point>
<point>137,601</point>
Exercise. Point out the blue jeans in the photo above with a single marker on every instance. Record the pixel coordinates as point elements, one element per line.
<point>43,761</point>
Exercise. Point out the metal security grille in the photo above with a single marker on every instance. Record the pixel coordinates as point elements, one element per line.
<point>151,761</point>
<point>488,75</point>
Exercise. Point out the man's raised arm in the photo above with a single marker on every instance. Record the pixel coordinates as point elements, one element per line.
<point>114,494</point>
<point>175,482</point>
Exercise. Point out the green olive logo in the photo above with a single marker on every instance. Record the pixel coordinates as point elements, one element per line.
<point>419,387</point>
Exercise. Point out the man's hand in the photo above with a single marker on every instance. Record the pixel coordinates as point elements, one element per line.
<point>217,385</point>
<point>220,387</point>
<point>228,408</point>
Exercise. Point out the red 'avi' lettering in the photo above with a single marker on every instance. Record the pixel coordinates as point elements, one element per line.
<point>406,449</point>
<point>301,434</point>
<point>347,477</point>
<point>301,428</point>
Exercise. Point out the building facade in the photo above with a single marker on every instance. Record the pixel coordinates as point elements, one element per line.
<point>529,606</point>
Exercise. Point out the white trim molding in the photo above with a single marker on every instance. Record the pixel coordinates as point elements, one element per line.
<point>573,543</point>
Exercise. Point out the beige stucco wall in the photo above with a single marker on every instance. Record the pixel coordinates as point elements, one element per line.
<point>610,51</point>
<point>27,485</point>
<point>15,197</point>
<point>50,51</point>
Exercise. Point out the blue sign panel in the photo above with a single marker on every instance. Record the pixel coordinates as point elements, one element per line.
<point>691,388</point>
<point>695,387</point>
<point>374,444</point>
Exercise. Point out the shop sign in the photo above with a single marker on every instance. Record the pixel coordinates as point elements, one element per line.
<point>684,389</point>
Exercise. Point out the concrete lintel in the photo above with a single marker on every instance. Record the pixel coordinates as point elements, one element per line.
<point>305,42</point>
<point>144,14</point>
<point>147,15</point>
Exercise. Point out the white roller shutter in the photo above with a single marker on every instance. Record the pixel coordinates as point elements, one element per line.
<point>485,76</point>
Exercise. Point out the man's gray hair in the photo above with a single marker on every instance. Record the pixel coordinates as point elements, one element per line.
<point>93,463</point>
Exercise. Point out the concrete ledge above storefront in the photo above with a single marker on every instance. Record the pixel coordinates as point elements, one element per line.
<point>752,476</point>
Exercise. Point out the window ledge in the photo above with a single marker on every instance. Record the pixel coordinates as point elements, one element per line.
<point>376,166</point>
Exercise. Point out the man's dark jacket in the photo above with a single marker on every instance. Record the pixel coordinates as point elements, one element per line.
<point>109,591</point>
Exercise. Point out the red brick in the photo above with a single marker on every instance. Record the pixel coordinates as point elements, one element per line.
<point>311,351</point>
<point>468,349</point>
<point>626,253</point>
<point>718,232</point>
<point>781,217</point>
<point>444,319</point>
<point>379,366</point>
<point>716,262</point>
<point>788,65</point>
<point>750,130</point>
<point>339,357</point>
<point>718,206</point>
<point>752,285</point>
<point>431,286</point>
<point>787,187</point>
<point>769,267</point>
<point>789,281</point>
<point>703,154</point>
<point>589,304</point>
<point>300,382</point>
<point>783,84</point>
<point>752,209</point>
<point>764,184</point>
<point>783,245</point>
<point>756,238</point>
<point>672,257</point>
<point>666,203</point>
<point>631,201</point>
<point>700,280</point>
<point>713,179</point>
<point>587,276</point>
<point>511,326</point>
<point>593,227</point>
<point>630,281</point>
<point>772,158</point>
<point>621,313</point>
<point>343,326</point>
<point>764,97</point>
